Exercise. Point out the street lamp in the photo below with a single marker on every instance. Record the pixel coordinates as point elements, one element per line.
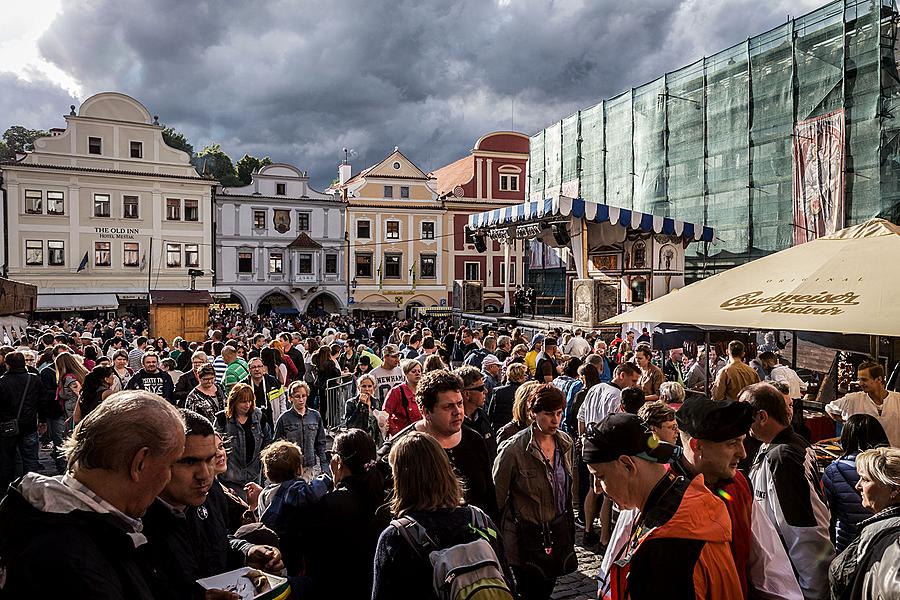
<point>353,284</point>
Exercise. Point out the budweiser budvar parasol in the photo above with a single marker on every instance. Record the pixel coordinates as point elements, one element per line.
<point>848,282</point>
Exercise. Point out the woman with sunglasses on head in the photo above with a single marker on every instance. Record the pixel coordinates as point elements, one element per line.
<point>358,412</point>
<point>533,479</point>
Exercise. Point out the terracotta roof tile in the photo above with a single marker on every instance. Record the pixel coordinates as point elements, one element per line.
<point>456,173</point>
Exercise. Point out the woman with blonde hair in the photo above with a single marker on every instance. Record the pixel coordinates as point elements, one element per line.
<point>879,486</point>
<point>70,374</point>
<point>501,408</point>
<point>521,418</point>
<point>241,423</point>
<point>434,363</point>
<point>427,499</point>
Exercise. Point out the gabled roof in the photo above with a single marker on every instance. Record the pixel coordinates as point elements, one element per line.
<point>407,169</point>
<point>459,172</point>
<point>305,242</point>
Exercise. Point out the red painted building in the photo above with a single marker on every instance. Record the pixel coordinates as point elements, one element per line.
<point>492,176</point>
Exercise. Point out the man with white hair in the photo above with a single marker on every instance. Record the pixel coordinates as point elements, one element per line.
<point>89,520</point>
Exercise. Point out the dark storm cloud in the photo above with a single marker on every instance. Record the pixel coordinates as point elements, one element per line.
<point>300,80</point>
<point>30,103</point>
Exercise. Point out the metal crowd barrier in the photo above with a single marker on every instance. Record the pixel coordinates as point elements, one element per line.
<point>337,391</point>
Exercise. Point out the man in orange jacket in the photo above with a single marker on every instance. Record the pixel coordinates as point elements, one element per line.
<point>680,541</point>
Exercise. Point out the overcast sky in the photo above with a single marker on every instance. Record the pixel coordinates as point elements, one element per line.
<point>297,81</point>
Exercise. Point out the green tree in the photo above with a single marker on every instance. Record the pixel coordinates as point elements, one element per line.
<point>18,139</point>
<point>176,139</point>
<point>247,165</point>
<point>212,160</point>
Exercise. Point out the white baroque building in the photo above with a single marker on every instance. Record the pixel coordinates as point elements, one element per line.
<point>103,212</point>
<point>280,245</point>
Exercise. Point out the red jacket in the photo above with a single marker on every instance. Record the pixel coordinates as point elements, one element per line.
<point>399,416</point>
<point>680,548</point>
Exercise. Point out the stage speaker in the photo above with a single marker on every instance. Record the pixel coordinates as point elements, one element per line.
<point>594,300</point>
<point>472,300</point>
<point>561,234</point>
<point>480,243</point>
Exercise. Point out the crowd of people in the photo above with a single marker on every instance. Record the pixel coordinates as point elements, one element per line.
<point>466,461</point>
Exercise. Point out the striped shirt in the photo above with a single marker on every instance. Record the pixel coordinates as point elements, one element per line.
<point>135,358</point>
<point>220,367</point>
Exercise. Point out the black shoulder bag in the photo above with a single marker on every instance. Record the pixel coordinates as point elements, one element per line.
<point>11,428</point>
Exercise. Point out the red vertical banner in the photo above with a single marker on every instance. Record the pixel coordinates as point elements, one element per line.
<point>818,190</point>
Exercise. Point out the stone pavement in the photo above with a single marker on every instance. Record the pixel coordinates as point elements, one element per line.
<point>582,584</point>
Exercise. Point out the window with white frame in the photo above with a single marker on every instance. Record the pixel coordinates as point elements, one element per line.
<point>393,265</point>
<point>56,253</point>
<point>305,264</point>
<point>131,254</point>
<point>392,230</point>
<point>259,219</point>
<point>509,183</point>
<point>276,262</point>
<point>192,255</point>
<point>512,273</point>
<point>173,256</point>
<point>102,254</point>
<point>34,252</point>
<point>428,266</point>
<point>509,178</point>
<point>302,221</point>
<point>427,230</point>
<point>364,229</point>
<point>95,145</point>
<point>101,205</point>
<point>56,204</point>
<point>245,262</point>
<point>404,191</point>
<point>472,271</point>
<point>136,149</point>
<point>191,210</point>
<point>34,202</point>
<point>130,207</point>
<point>173,209</point>
<point>331,264</point>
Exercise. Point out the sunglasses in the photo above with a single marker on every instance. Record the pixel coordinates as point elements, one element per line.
<point>480,388</point>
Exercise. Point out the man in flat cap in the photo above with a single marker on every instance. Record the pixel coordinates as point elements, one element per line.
<point>712,435</point>
<point>679,544</point>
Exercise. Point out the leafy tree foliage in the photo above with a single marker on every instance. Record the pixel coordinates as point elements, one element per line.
<point>247,165</point>
<point>18,139</point>
<point>212,160</point>
<point>176,139</point>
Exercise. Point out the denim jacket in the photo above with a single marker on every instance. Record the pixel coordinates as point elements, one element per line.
<point>308,432</point>
<point>241,468</point>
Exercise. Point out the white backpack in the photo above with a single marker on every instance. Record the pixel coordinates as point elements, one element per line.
<point>469,571</point>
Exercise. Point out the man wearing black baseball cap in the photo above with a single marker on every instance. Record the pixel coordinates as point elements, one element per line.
<point>680,528</point>
<point>712,435</point>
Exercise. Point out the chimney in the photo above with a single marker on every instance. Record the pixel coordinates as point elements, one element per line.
<point>344,172</point>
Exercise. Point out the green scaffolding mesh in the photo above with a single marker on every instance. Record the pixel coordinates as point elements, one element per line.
<point>650,148</point>
<point>711,143</point>
<point>619,177</point>
<point>592,154</point>
<point>553,158</point>
<point>570,149</point>
<point>536,165</point>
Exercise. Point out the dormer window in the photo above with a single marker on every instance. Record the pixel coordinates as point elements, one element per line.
<point>280,189</point>
<point>509,178</point>
<point>137,149</point>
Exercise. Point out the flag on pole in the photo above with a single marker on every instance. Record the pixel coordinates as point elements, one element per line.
<point>412,272</point>
<point>144,261</point>
<point>84,263</point>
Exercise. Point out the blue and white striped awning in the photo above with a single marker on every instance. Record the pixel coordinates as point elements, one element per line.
<point>591,211</point>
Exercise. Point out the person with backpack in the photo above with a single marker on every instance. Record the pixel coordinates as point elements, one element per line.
<point>425,551</point>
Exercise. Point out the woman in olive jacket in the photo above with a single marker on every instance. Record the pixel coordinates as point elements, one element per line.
<point>533,479</point>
